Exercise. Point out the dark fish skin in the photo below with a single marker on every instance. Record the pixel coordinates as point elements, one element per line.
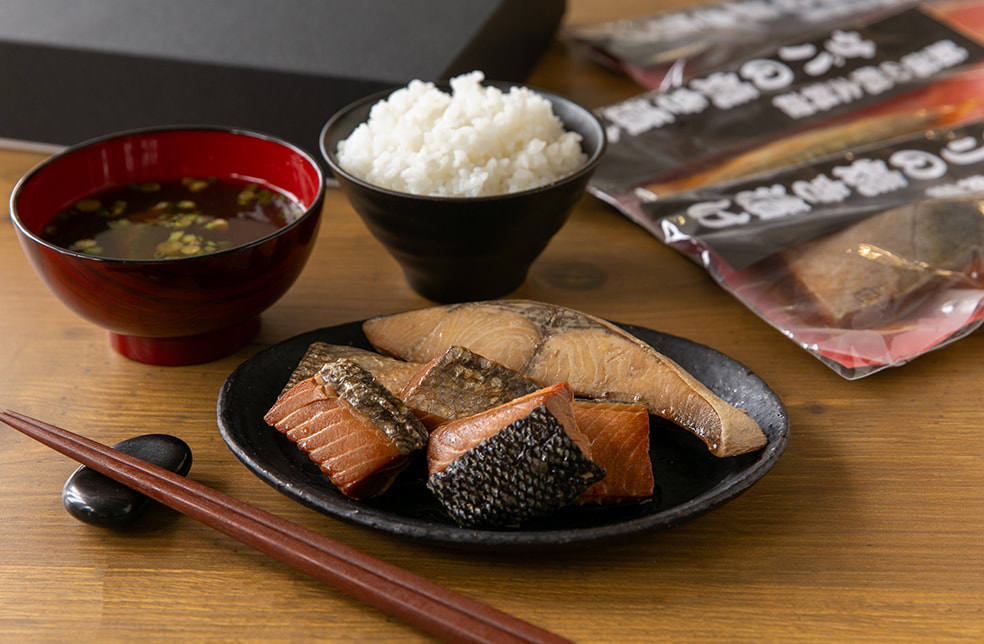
<point>359,388</point>
<point>528,469</point>
<point>390,372</point>
<point>462,383</point>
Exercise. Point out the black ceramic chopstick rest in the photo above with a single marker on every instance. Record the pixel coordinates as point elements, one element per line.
<point>96,499</point>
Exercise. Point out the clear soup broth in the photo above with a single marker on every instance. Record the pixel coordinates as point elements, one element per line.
<point>185,217</point>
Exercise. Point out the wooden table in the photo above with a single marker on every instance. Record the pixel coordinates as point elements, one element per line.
<point>870,528</point>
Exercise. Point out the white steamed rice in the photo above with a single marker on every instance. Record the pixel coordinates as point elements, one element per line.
<point>475,141</point>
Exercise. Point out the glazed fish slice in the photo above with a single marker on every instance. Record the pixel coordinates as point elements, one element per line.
<point>552,344</point>
<point>619,438</point>
<point>390,372</point>
<point>602,364</point>
<point>452,439</point>
<point>461,383</point>
<point>312,418</point>
<point>530,468</point>
<point>358,433</point>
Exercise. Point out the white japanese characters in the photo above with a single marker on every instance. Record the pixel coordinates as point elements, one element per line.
<point>764,77</point>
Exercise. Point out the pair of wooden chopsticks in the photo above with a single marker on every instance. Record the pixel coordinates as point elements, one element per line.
<point>419,602</point>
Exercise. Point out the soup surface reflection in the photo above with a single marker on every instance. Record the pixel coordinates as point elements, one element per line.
<point>171,219</point>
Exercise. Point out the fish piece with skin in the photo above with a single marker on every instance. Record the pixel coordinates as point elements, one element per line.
<point>357,432</point>
<point>452,439</point>
<point>527,468</point>
<point>553,344</point>
<point>619,437</point>
<point>461,383</point>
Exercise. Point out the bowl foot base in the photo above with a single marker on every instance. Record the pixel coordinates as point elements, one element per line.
<point>186,350</point>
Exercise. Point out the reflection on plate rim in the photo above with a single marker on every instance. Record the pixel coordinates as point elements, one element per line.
<point>355,513</point>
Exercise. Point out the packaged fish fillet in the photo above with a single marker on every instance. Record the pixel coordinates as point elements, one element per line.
<point>832,183</point>
<point>866,259</point>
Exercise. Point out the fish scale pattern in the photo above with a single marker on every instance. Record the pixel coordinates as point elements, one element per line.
<point>528,469</point>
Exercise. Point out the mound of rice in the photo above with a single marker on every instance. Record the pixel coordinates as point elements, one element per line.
<point>475,141</point>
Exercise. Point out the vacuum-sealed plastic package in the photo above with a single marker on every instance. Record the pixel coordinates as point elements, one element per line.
<point>840,199</point>
<point>866,260</point>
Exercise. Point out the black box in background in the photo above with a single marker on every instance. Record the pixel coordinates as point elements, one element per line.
<point>71,70</point>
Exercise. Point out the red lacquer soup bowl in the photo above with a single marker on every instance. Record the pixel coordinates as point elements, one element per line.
<point>172,311</point>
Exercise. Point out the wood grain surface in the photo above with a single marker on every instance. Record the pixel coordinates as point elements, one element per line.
<point>869,529</point>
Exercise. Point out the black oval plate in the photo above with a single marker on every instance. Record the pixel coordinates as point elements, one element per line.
<point>689,481</point>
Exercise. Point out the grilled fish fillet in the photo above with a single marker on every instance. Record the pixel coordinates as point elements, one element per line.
<point>553,344</point>
<point>359,434</point>
<point>452,439</point>
<point>460,383</point>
